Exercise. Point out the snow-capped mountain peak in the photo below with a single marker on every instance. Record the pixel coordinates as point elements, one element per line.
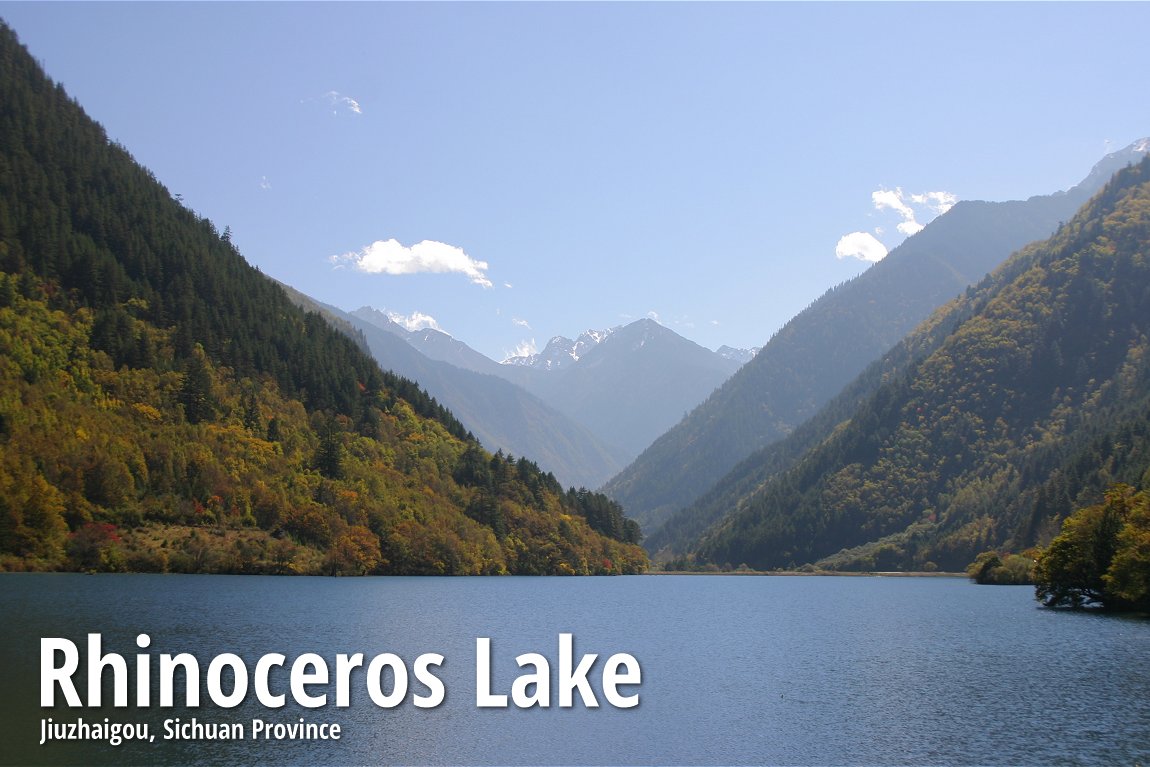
<point>561,351</point>
<point>1114,162</point>
<point>742,356</point>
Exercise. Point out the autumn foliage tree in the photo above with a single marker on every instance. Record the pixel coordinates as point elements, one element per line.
<point>1102,555</point>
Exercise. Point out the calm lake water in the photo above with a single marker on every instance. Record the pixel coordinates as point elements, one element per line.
<point>736,670</point>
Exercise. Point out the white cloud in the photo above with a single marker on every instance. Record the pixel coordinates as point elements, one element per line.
<point>417,320</point>
<point>861,245</point>
<point>428,256</point>
<point>910,208</point>
<point>264,183</point>
<point>524,349</point>
<point>910,227</point>
<point>521,323</point>
<point>938,202</point>
<point>886,198</point>
<point>339,101</point>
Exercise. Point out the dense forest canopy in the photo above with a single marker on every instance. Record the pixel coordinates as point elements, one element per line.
<point>1102,555</point>
<point>164,406</point>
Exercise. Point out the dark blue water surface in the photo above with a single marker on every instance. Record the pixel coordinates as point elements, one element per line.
<point>735,670</point>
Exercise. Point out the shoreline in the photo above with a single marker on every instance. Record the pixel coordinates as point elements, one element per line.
<point>817,573</point>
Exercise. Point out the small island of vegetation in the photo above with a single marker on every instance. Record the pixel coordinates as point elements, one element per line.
<point>1101,557</point>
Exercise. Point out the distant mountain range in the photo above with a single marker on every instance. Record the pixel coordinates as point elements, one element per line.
<point>561,351</point>
<point>824,347</point>
<point>503,414</point>
<point>634,384</point>
<point>582,408</point>
<point>741,356</point>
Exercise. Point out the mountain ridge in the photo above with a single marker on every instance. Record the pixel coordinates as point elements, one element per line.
<point>818,352</point>
<point>588,380</point>
<point>503,415</point>
<point>1012,405</point>
<point>635,383</point>
<point>561,351</point>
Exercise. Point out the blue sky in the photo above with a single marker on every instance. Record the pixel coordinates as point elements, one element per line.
<point>523,170</point>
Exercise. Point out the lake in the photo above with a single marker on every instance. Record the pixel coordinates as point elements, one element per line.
<point>735,670</point>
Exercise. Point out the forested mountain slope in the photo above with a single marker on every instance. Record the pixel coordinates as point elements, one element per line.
<point>1006,410</point>
<point>163,405</point>
<point>825,346</point>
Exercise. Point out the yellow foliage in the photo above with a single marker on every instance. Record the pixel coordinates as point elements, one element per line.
<point>149,412</point>
<point>155,480</point>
